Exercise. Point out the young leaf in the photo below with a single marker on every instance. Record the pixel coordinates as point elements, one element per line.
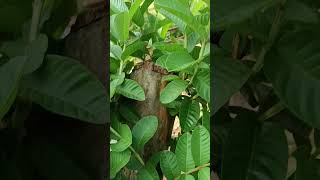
<point>189,114</point>
<point>176,61</point>
<point>119,25</point>
<point>143,131</point>
<point>183,153</point>
<point>10,75</point>
<point>126,137</point>
<point>118,160</point>
<point>131,89</point>
<point>200,144</point>
<point>183,12</point>
<point>64,86</point>
<point>172,91</point>
<point>169,78</point>
<point>202,84</point>
<point>118,6</point>
<point>169,165</point>
<point>134,7</point>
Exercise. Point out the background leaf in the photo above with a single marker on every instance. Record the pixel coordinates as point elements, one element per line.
<point>10,75</point>
<point>64,86</point>
<point>119,25</point>
<point>118,160</point>
<point>262,150</point>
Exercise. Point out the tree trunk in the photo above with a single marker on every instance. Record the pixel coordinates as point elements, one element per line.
<point>149,77</point>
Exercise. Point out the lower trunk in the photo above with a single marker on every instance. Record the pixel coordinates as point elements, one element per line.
<point>149,77</point>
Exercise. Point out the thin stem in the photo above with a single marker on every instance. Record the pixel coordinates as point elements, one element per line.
<point>198,61</point>
<point>275,109</point>
<point>130,147</point>
<point>185,41</point>
<point>37,6</point>
<point>197,168</point>
<point>274,31</point>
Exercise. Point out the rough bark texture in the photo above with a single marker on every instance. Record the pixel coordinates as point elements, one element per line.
<point>149,77</point>
<point>88,42</point>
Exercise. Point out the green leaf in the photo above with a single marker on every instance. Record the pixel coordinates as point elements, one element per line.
<point>183,153</point>
<point>148,173</point>
<point>64,86</point>
<point>261,150</point>
<point>118,160</point>
<point>169,165</point>
<point>200,144</point>
<point>230,12</point>
<point>172,91</point>
<point>176,61</point>
<point>10,75</point>
<point>193,40</point>
<point>206,119</point>
<point>138,18</point>
<point>134,7</point>
<point>143,131</point>
<point>132,48</point>
<point>116,51</point>
<point>118,6</point>
<point>126,137</point>
<point>307,168</point>
<point>189,114</point>
<point>204,174</point>
<point>177,21</point>
<point>183,12</point>
<point>202,84</point>
<point>230,75</point>
<point>186,177</point>
<point>34,51</point>
<point>169,77</point>
<point>131,89</point>
<point>293,68</point>
<point>300,11</point>
<point>118,80</point>
<point>168,48</point>
<point>119,26</point>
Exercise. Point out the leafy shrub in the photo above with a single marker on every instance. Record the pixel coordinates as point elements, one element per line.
<point>175,36</point>
<point>268,50</point>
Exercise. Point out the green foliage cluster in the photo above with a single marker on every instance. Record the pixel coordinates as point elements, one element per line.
<point>269,51</point>
<point>175,35</point>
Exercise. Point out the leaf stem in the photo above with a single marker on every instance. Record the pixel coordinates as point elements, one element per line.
<point>130,147</point>
<point>274,31</point>
<point>198,61</point>
<point>185,45</point>
<point>37,6</point>
<point>197,168</point>
<point>275,109</point>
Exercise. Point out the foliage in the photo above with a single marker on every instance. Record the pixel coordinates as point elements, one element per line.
<point>268,50</point>
<point>32,71</point>
<point>175,36</point>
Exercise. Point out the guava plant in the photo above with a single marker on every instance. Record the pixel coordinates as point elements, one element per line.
<point>35,72</point>
<point>268,51</point>
<point>173,36</point>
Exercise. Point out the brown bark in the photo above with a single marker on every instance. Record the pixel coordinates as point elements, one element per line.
<point>149,77</point>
